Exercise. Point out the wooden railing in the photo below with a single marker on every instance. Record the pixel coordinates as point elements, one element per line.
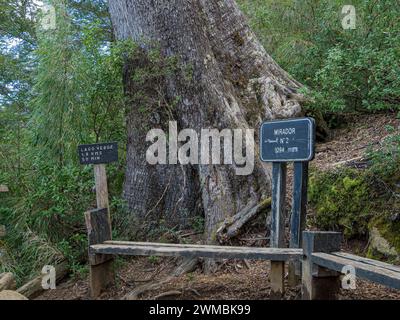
<point>322,263</point>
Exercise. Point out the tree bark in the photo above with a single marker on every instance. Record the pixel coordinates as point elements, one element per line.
<point>233,83</point>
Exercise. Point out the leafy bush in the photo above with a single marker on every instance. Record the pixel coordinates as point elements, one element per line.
<point>341,202</point>
<point>386,160</point>
<point>347,70</point>
<point>351,200</point>
<point>77,98</point>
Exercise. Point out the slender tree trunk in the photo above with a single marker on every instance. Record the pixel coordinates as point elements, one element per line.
<point>233,83</point>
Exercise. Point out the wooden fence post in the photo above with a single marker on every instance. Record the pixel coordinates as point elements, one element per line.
<point>298,217</point>
<point>319,283</point>
<point>277,272</point>
<point>98,222</point>
<point>99,230</point>
<point>100,177</point>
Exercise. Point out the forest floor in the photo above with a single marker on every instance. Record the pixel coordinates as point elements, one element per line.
<point>240,279</point>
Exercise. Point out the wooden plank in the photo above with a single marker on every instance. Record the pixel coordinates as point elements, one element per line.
<point>277,274</point>
<point>215,252</point>
<point>277,281</point>
<point>278,204</point>
<point>101,276</point>
<point>319,284</point>
<point>367,261</point>
<point>100,177</point>
<point>298,217</point>
<point>363,270</point>
<point>293,251</point>
<point>98,227</point>
<point>299,204</point>
<point>99,230</point>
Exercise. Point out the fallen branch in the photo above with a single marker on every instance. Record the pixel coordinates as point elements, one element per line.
<point>254,239</point>
<point>358,162</point>
<point>246,262</point>
<point>232,226</point>
<point>190,234</point>
<point>344,162</point>
<point>34,288</point>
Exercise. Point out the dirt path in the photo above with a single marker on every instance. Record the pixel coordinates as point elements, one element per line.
<point>352,141</point>
<point>234,281</point>
<point>237,279</point>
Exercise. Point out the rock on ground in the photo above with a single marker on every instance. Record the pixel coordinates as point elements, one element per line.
<point>11,295</point>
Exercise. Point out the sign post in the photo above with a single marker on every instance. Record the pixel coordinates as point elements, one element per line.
<point>99,154</point>
<point>298,217</point>
<point>283,141</point>
<point>277,236</point>
<point>100,178</point>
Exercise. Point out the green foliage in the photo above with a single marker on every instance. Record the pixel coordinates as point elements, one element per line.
<point>46,223</point>
<point>354,200</point>
<point>147,79</point>
<point>79,94</point>
<point>385,168</point>
<point>63,87</point>
<point>347,70</point>
<point>198,224</point>
<point>389,229</point>
<point>386,160</point>
<point>24,252</point>
<point>76,97</point>
<point>341,201</point>
<point>154,259</point>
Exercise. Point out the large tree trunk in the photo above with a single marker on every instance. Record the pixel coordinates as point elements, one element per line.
<point>233,84</point>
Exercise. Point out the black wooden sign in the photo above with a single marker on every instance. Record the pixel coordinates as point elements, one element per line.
<point>98,153</point>
<point>287,140</point>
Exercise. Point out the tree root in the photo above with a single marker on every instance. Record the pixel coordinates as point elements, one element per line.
<point>187,265</point>
<point>135,294</point>
<point>167,294</point>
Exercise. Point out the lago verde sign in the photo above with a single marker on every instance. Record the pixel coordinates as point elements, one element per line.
<point>98,153</point>
<point>287,140</point>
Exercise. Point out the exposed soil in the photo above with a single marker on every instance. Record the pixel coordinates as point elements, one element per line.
<point>239,279</point>
<point>359,133</point>
<point>234,281</point>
